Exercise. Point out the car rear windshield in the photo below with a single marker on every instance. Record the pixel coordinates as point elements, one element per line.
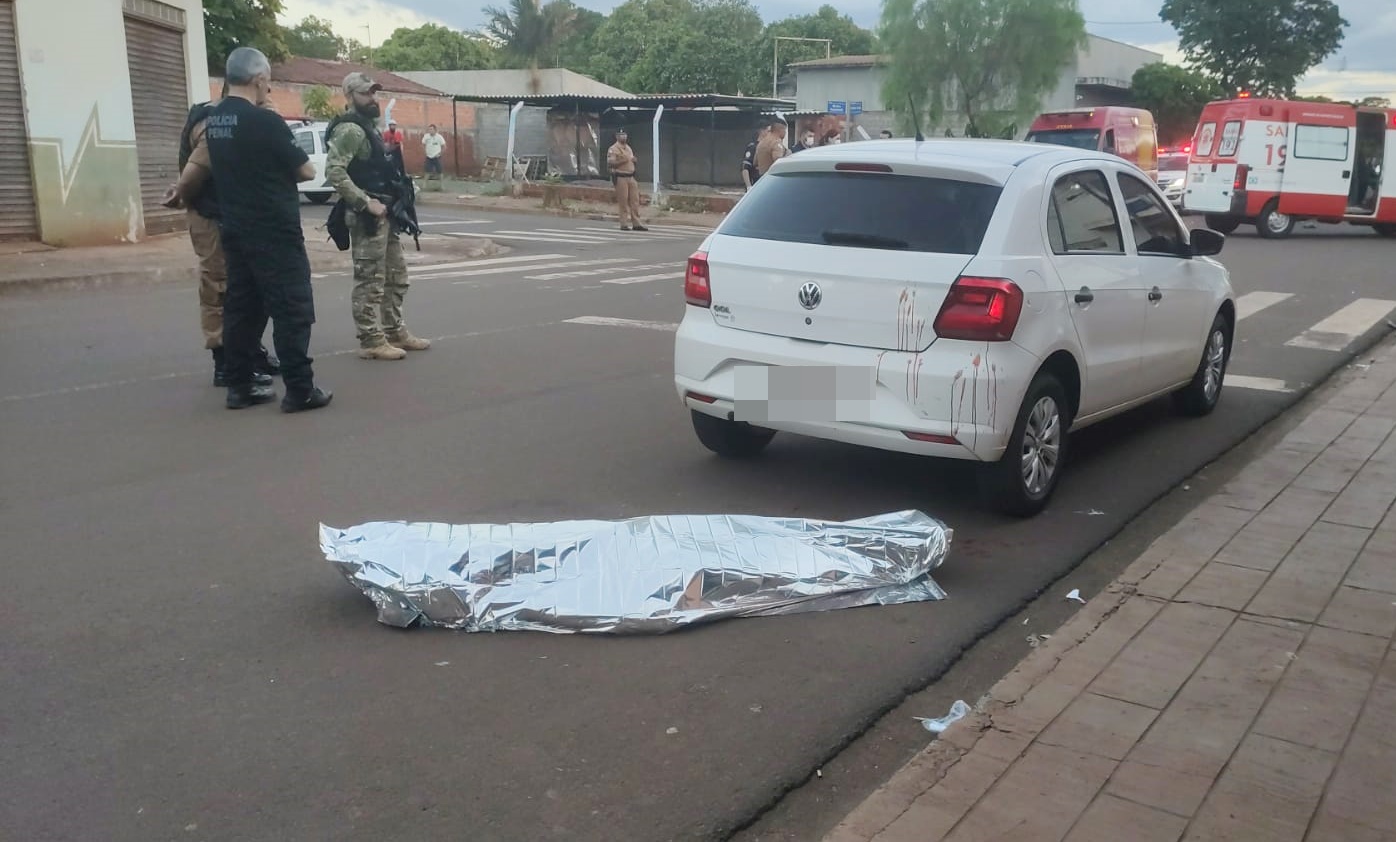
<point>1173,161</point>
<point>866,210</point>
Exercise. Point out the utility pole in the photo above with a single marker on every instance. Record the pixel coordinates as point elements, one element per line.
<point>775,57</point>
<point>368,43</point>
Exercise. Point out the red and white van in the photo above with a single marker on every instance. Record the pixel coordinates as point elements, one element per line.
<point>1129,133</point>
<point>1273,162</point>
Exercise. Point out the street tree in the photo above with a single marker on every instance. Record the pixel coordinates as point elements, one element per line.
<point>986,62</point>
<point>315,38</point>
<point>1263,48</point>
<point>229,24</point>
<point>577,50</point>
<point>847,38</point>
<point>682,46</point>
<point>529,32</point>
<point>432,47</point>
<point>1176,96</point>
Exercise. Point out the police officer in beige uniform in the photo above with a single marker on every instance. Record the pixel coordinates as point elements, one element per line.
<point>621,160</point>
<point>771,148</point>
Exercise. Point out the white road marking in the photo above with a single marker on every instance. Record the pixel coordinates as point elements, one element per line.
<point>503,270</point>
<point>457,222</point>
<point>1264,384</point>
<point>637,235</point>
<point>583,273</point>
<point>1338,330</point>
<point>1253,302</point>
<point>640,279</point>
<point>610,322</point>
<point>554,239</point>
<point>493,261</point>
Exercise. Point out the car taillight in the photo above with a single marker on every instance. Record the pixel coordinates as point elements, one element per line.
<point>1241,172</point>
<point>980,310</point>
<point>697,289</point>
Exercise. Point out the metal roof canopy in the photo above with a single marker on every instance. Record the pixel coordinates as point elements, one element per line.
<point>643,101</point>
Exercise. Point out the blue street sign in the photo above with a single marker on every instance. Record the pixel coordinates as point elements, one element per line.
<point>855,108</point>
<point>836,106</point>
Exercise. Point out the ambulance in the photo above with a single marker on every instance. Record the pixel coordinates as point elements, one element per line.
<point>1129,133</point>
<point>1272,163</point>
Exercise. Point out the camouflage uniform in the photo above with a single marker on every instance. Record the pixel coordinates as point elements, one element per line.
<point>380,272</point>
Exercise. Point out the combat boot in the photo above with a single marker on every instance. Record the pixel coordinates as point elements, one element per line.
<point>407,342</point>
<point>241,397</point>
<point>220,372</point>
<point>303,401</point>
<point>381,352</point>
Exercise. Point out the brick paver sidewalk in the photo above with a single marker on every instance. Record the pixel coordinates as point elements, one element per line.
<point>1237,682</point>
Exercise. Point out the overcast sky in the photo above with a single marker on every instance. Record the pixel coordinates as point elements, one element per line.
<point>1364,65</point>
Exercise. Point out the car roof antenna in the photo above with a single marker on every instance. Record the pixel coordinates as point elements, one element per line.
<point>915,118</point>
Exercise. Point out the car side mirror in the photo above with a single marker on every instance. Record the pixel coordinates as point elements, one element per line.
<point>1206,242</point>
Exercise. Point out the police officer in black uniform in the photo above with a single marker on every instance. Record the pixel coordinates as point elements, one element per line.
<point>256,169</point>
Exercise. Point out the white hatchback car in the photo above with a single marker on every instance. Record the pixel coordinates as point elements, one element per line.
<point>311,137</point>
<point>969,299</point>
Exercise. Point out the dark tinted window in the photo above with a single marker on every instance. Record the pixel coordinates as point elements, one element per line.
<point>1083,212</point>
<point>306,141</point>
<point>1155,231</point>
<point>867,210</point>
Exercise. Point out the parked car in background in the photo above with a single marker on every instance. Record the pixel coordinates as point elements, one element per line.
<point>311,137</point>
<point>967,299</point>
<point>1173,173</point>
<point>1129,133</point>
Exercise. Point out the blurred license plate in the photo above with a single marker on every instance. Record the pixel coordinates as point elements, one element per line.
<point>803,393</point>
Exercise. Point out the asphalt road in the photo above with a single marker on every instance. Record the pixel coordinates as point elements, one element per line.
<point>180,662</point>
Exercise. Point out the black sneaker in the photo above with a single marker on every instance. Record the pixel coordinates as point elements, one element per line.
<point>241,397</point>
<point>314,399</point>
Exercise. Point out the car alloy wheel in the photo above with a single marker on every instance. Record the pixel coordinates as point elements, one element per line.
<point>1215,364</point>
<point>1041,446</point>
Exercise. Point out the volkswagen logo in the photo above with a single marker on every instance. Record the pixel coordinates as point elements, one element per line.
<point>810,295</point>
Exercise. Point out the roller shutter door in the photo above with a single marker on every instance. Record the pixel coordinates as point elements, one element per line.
<point>17,215</point>
<point>160,101</point>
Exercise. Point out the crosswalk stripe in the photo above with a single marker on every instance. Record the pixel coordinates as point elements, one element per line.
<point>493,261</point>
<point>456,222</point>
<point>505,270</point>
<point>575,239</point>
<point>1264,384</point>
<point>583,273</point>
<point>1341,328</point>
<point>1253,302</point>
<point>697,229</point>
<point>612,322</point>
<point>651,234</point>
<point>667,276</point>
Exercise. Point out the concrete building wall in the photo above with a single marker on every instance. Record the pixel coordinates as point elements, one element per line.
<point>531,133</point>
<point>79,113</point>
<point>816,88</point>
<point>1111,62</point>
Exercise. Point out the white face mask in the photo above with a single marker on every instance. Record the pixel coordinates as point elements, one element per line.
<point>809,140</point>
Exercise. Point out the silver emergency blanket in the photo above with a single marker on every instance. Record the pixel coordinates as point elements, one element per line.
<point>644,575</point>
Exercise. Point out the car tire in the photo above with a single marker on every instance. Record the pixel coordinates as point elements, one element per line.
<point>1201,395</point>
<point>319,198</point>
<point>1043,420</point>
<point>1222,224</point>
<point>1386,229</point>
<point>732,439</point>
<point>1273,225</point>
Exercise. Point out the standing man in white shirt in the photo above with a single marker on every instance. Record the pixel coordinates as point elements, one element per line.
<point>433,144</point>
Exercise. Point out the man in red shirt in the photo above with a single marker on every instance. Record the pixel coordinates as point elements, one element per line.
<point>392,139</point>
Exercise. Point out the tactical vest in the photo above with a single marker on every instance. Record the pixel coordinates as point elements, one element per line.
<point>378,174</point>
<point>206,203</point>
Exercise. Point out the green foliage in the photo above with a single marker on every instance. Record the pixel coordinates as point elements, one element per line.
<point>529,32</point>
<point>849,39</point>
<point>682,46</point>
<point>432,47</point>
<point>1176,96</point>
<point>315,38</point>
<point>1263,48</point>
<point>318,103</point>
<point>229,24</point>
<point>988,62</point>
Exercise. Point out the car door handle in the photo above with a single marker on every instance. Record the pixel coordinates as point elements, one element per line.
<point>1154,294</point>
<point>1085,296</point>
<point>1347,173</point>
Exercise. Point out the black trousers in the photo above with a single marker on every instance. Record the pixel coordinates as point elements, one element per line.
<point>268,280</point>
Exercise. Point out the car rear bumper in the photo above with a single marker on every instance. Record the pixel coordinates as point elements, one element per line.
<point>965,394</point>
